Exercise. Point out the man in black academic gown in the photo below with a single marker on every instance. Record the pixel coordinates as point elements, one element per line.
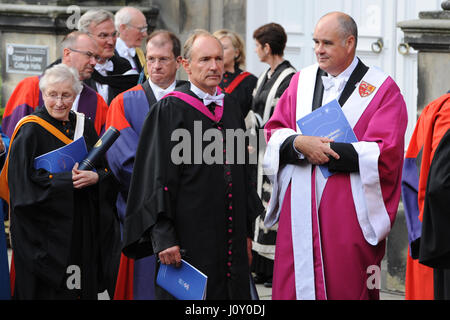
<point>177,199</point>
<point>113,74</point>
<point>132,26</point>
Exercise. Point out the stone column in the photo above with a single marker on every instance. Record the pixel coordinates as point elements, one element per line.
<point>184,16</point>
<point>430,35</point>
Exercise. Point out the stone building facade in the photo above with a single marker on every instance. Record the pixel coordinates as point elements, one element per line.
<point>37,27</point>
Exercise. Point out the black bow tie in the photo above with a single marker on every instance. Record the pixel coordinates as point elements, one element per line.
<point>212,107</point>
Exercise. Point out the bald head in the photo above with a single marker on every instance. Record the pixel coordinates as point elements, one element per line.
<point>203,61</point>
<point>335,42</point>
<point>346,25</point>
<point>80,51</point>
<point>131,24</point>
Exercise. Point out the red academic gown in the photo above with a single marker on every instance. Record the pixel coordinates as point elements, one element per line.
<point>26,97</point>
<point>430,128</point>
<point>127,113</point>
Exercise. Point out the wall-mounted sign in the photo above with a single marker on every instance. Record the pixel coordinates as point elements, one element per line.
<point>29,59</point>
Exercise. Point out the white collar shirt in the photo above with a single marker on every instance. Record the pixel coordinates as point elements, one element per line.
<point>206,97</point>
<point>76,102</point>
<point>334,86</point>
<point>160,92</point>
<point>126,52</point>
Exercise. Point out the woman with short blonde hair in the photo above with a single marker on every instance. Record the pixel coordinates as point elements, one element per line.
<point>236,82</point>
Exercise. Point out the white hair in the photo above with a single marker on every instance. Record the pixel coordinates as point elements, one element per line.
<point>93,16</point>
<point>123,16</point>
<point>61,73</point>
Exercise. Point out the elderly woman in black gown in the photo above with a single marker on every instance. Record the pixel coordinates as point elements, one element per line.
<point>63,224</point>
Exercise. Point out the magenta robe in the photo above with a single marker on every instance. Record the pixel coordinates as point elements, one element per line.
<point>342,256</point>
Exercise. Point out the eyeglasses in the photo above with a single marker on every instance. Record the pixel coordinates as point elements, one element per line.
<point>104,36</point>
<point>141,29</point>
<point>65,97</point>
<point>162,60</point>
<point>88,54</point>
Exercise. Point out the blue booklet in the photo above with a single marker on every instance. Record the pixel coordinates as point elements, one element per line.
<point>184,283</point>
<point>328,121</point>
<point>62,159</point>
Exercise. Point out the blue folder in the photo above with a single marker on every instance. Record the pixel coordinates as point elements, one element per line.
<point>62,159</point>
<point>328,121</point>
<point>184,283</point>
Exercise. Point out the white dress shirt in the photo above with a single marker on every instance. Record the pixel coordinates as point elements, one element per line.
<point>102,89</point>
<point>160,92</point>
<point>76,101</point>
<point>126,52</point>
<point>206,97</point>
<point>333,88</point>
<point>336,85</point>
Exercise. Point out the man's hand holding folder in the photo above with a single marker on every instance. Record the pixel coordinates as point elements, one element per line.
<point>171,256</point>
<point>315,149</point>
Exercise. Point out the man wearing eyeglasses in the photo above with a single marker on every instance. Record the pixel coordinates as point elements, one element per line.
<point>132,27</point>
<point>79,51</point>
<point>127,113</point>
<point>113,74</point>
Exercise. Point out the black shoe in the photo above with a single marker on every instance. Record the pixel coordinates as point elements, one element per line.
<point>268,284</point>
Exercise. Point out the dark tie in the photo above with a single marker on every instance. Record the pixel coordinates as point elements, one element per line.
<point>212,107</point>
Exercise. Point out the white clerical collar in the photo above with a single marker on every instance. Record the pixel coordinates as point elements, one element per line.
<point>123,49</point>
<point>160,92</point>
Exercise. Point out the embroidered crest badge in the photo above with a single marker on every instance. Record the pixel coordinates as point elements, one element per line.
<point>366,89</point>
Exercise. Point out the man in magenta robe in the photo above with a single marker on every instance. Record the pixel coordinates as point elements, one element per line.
<point>331,236</point>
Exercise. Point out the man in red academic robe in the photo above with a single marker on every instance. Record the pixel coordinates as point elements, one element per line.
<point>433,124</point>
<point>127,114</point>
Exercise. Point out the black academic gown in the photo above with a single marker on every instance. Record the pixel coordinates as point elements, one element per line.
<point>260,98</point>
<point>263,266</point>
<point>435,240</point>
<point>115,79</point>
<point>53,225</point>
<point>207,210</point>
<point>243,93</point>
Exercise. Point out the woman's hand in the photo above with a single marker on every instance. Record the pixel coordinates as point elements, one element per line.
<point>82,178</point>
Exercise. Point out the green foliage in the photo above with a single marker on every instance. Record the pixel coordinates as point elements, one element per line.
<point>2,110</point>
